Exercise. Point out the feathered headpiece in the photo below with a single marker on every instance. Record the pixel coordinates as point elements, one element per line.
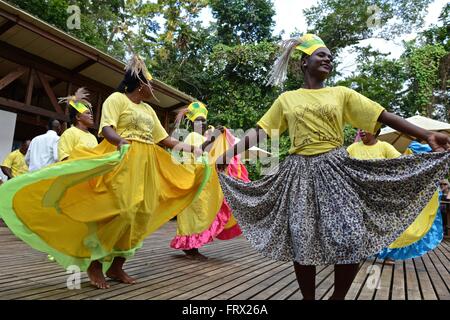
<point>136,66</point>
<point>307,44</point>
<point>78,101</point>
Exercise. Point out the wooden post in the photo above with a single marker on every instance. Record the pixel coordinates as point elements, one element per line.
<point>30,85</point>
<point>50,93</point>
<point>98,109</point>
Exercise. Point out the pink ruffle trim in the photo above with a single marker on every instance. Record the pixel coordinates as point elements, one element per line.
<point>231,233</point>
<point>195,241</point>
<point>217,228</point>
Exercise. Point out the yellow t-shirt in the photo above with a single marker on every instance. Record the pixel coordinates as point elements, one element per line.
<point>131,121</point>
<point>380,150</point>
<point>16,162</point>
<point>315,118</point>
<point>74,137</point>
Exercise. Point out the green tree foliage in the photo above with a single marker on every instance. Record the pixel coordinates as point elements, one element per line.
<point>423,63</point>
<point>225,63</point>
<point>378,78</point>
<point>243,21</point>
<point>346,22</point>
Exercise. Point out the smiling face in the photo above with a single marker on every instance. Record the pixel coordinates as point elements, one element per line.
<point>319,64</point>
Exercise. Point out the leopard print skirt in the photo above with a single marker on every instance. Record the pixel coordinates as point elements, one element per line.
<point>333,209</point>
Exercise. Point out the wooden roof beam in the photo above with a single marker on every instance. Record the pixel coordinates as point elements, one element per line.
<point>10,77</point>
<point>20,106</point>
<point>24,58</point>
<point>6,26</point>
<point>74,71</point>
<point>49,92</point>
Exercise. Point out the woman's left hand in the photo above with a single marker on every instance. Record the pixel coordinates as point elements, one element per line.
<point>439,142</point>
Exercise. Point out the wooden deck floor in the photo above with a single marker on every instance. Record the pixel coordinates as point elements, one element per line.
<point>234,271</point>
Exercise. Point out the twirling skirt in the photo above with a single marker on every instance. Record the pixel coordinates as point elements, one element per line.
<point>101,204</point>
<point>332,209</point>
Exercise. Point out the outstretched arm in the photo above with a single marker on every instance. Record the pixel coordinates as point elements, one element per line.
<point>438,141</point>
<point>252,138</point>
<point>171,143</point>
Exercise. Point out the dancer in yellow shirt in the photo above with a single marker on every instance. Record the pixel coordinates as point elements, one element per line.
<point>14,164</point>
<point>95,209</point>
<point>78,134</point>
<point>322,207</point>
<point>199,224</point>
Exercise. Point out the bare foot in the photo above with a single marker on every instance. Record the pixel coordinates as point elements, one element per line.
<point>194,254</point>
<point>96,276</point>
<point>120,275</point>
<point>116,272</point>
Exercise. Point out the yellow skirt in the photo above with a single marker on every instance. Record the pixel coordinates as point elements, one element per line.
<point>209,216</point>
<point>100,203</point>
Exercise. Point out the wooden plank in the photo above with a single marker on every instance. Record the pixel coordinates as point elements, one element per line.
<point>287,291</point>
<point>325,283</point>
<point>425,283</point>
<point>398,288</point>
<point>438,283</point>
<point>210,279</point>
<point>445,249</point>
<point>58,289</point>
<point>10,77</point>
<point>171,277</point>
<point>277,287</point>
<point>17,105</point>
<point>204,291</point>
<point>241,284</point>
<point>384,291</point>
<point>231,280</point>
<point>412,283</point>
<point>371,281</point>
<point>98,111</point>
<point>261,290</point>
<point>234,271</point>
<point>159,271</point>
<point>27,59</point>
<point>6,26</point>
<point>359,280</point>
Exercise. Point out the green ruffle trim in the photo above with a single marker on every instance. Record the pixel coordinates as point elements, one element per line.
<point>68,174</point>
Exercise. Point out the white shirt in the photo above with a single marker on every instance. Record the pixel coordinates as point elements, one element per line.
<point>43,150</point>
